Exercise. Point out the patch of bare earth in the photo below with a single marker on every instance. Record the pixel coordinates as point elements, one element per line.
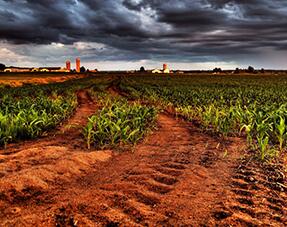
<point>259,195</point>
<point>178,176</point>
<point>29,169</point>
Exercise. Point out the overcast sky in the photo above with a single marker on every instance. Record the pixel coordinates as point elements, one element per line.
<point>125,34</point>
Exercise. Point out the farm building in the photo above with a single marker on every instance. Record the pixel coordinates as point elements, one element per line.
<point>164,70</point>
<point>78,65</point>
<point>35,70</point>
<point>44,70</point>
<point>17,69</point>
<point>40,69</point>
<point>50,69</point>
<point>156,71</point>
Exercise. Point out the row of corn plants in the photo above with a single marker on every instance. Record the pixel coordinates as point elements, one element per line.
<point>29,111</point>
<point>29,117</point>
<point>117,122</point>
<point>253,106</point>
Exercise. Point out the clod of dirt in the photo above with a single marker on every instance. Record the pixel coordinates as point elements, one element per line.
<point>64,218</point>
<point>219,215</point>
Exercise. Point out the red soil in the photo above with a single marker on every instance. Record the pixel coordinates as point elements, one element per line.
<point>177,176</point>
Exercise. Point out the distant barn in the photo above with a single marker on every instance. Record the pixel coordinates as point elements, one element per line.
<point>17,69</point>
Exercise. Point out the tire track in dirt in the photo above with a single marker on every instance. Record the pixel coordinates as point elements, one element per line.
<point>164,181</point>
<point>259,195</point>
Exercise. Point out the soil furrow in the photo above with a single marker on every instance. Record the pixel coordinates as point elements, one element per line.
<point>177,176</point>
<point>259,200</point>
<point>174,188</point>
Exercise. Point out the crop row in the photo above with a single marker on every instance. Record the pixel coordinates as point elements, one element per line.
<point>254,107</point>
<point>118,122</point>
<point>27,112</point>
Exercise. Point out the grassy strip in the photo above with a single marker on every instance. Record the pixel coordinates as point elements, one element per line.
<point>118,123</point>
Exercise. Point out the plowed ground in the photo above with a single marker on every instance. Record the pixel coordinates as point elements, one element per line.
<point>177,176</point>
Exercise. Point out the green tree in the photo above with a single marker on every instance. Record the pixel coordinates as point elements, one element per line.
<point>142,69</point>
<point>237,70</point>
<point>2,67</point>
<point>250,69</point>
<point>82,69</point>
<point>217,70</point>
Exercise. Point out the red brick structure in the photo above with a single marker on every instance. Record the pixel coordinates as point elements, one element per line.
<point>165,67</point>
<point>78,65</point>
<point>68,65</point>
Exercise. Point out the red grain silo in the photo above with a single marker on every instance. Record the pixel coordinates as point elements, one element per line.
<point>78,65</point>
<point>164,66</point>
<point>68,65</point>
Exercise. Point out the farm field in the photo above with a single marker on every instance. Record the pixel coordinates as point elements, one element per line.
<point>145,150</point>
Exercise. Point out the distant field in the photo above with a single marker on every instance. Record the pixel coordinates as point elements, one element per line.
<point>18,79</point>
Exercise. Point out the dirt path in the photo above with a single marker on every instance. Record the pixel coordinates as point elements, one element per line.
<point>68,134</point>
<point>32,166</point>
<point>178,176</point>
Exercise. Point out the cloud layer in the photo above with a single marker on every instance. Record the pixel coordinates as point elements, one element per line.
<point>238,32</point>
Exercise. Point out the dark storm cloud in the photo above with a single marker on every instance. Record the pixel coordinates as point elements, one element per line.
<point>151,29</point>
